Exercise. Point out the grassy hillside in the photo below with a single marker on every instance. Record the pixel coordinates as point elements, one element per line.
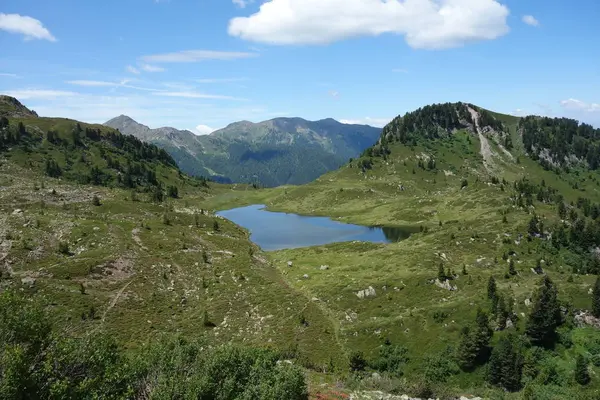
<point>112,240</point>
<point>475,205</point>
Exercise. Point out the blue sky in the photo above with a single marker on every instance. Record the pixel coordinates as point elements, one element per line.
<point>207,63</point>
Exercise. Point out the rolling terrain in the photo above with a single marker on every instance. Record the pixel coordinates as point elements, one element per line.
<point>112,238</point>
<point>270,153</point>
<point>494,196</point>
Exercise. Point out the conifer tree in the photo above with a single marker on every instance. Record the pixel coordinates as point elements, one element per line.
<point>441,273</point>
<point>506,364</point>
<point>473,348</point>
<point>582,375</point>
<point>545,314</point>
<point>596,299</point>
<point>511,267</point>
<point>491,291</point>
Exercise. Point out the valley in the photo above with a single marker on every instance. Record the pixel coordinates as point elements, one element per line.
<point>111,237</point>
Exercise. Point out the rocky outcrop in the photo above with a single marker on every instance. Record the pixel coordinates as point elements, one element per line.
<point>12,108</point>
<point>368,292</point>
<point>445,285</point>
<point>585,318</point>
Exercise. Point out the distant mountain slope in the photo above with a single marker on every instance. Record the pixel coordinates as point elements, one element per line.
<point>83,153</point>
<point>272,153</point>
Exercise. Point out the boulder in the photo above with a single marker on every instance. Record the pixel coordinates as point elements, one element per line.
<point>368,292</point>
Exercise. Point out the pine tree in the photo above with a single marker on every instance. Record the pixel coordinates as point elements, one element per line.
<point>511,267</point>
<point>482,336</point>
<point>501,313</point>
<point>466,353</point>
<point>596,299</point>
<point>545,314</point>
<point>506,364</point>
<point>216,226</point>
<point>582,375</point>
<point>473,348</point>
<point>491,291</point>
<point>441,273</point>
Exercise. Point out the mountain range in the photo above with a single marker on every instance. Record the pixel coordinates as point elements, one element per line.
<point>276,152</point>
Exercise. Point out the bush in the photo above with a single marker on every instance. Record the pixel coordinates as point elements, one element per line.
<point>357,361</point>
<point>391,359</point>
<point>63,248</point>
<point>38,363</point>
<point>96,201</point>
<point>438,368</point>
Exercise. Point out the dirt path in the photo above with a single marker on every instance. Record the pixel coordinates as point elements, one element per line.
<point>113,302</point>
<point>486,150</point>
<point>134,235</point>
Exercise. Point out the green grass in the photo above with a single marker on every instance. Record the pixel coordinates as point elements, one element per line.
<point>471,233</point>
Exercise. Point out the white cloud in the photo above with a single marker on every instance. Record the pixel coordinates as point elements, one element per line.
<point>378,122</point>
<point>220,80</point>
<point>400,70</point>
<point>242,3</point>
<point>196,95</point>
<point>530,20</point>
<point>578,105</point>
<point>31,28</point>
<point>123,83</point>
<point>7,75</point>
<point>428,24</point>
<point>92,83</point>
<point>152,68</point>
<point>203,130</point>
<point>196,56</point>
<point>334,93</point>
<point>132,69</point>
<point>26,94</point>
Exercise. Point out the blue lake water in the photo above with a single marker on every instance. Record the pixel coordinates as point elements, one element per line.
<point>277,231</point>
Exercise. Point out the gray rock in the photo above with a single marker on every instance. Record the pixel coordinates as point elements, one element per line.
<point>368,292</point>
<point>29,281</point>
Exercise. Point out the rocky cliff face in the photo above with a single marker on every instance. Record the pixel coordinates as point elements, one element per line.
<point>12,108</point>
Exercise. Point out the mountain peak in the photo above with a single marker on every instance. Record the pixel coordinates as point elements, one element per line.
<point>11,107</point>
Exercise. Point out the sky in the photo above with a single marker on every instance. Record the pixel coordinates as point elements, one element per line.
<point>202,64</point>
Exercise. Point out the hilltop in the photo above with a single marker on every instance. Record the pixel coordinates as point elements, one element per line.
<point>516,199</point>
<point>270,153</point>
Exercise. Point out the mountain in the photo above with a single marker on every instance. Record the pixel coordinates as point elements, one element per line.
<point>12,108</point>
<point>490,196</point>
<point>271,153</point>
<point>110,264</point>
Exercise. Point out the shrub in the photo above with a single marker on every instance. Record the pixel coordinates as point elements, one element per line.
<point>63,248</point>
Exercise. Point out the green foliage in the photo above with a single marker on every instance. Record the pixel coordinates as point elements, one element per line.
<point>172,191</point>
<point>582,374</point>
<point>440,367</point>
<point>596,298</point>
<point>216,226</point>
<point>391,359</point>
<point>63,248</point>
<point>473,348</point>
<point>96,201</point>
<point>562,137</point>
<point>357,361</point>
<point>506,364</point>
<point>491,288</point>
<point>39,364</point>
<point>545,314</point>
